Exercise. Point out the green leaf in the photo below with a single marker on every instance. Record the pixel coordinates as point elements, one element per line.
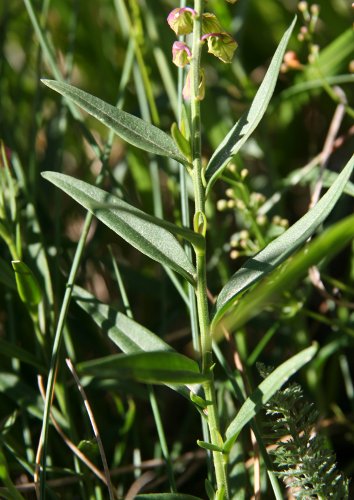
<point>132,129</point>
<point>127,334</point>
<point>159,367</point>
<point>284,278</point>
<point>265,391</point>
<point>6,275</point>
<point>239,134</point>
<point>278,250</point>
<point>141,230</point>
<point>27,285</point>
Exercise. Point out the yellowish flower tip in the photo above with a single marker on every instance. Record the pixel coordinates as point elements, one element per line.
<point>244,173</point>
<point>234,254</point>
<point>261,220</point>
<point>302,6</point>
<point>221,205</point>
<point>315,9</point>
<point>244,234</point>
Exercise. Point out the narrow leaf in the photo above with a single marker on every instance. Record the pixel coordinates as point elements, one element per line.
<point>14,352</point>
<point>265,391</point>
<point>135,226</point>
<point>127,334</point>
<point>324,246</point>
<point>132,129</point>
<point>159,367</point>
<point>278,250</point>
<point>239,134</point>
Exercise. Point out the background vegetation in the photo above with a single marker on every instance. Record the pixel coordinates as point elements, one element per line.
<point>274,175</point>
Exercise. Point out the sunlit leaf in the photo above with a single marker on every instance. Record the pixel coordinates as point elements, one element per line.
<point>278,250</point>
<point>132,129</point>
<point>141,230</point>
<point>285,278</point>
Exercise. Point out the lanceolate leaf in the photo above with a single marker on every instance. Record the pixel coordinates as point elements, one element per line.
<point>284,278</point>
<point>265,391</point>
<point>278,250</point>
<point>160,367</point>
<point>239,134</point>
<point>141,230</point>
<point>129,127</point>
<point>127,334</point>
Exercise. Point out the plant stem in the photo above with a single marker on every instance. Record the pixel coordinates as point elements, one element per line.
<point>200,226</point>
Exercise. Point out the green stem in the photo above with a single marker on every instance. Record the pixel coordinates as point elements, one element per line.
<point>200,226</point>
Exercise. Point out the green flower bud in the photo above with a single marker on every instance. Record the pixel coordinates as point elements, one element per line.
<point>210,24</point>
<point>180,54</point>
<point>181,20</point>
<point>221,45</point>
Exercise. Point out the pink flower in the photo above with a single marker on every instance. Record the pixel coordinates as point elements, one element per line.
<point>181,54</point>
<point>181,20</point>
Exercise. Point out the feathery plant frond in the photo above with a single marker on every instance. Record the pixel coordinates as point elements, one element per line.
<point>302,459</point>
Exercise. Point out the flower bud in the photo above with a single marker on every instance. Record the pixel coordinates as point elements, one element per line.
<point>186,92</point>
<point>221,45</point>
<point>180,54</point>
<point>181,20</point>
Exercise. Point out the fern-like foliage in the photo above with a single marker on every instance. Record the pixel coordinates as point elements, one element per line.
<point>301,458</point>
